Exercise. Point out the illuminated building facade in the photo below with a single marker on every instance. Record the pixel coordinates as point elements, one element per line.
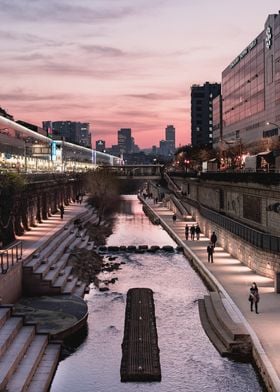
<point>251,90</point>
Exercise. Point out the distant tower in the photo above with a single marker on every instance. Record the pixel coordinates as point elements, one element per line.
<point>170,138</point>
<point>202,113</point>
<point>125,140</point>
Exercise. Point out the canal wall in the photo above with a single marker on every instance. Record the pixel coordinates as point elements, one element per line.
<point>258,260</point>
<point>252,202</point>
<point>11,284</point>
<point>260,358</point>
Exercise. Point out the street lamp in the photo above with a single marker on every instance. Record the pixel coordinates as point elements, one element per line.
<point>272,123</point>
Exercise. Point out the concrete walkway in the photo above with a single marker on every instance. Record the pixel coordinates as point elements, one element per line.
<point>37,236</point>
<point>236,280</point>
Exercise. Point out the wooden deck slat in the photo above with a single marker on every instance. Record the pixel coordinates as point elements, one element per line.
<point>140,360</point>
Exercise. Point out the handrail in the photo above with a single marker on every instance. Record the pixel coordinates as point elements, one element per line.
<point>10,256</point>
<point>255,237</point>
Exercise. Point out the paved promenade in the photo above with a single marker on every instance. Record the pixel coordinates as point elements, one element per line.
<point>33,239</point>
<point>236,280</point>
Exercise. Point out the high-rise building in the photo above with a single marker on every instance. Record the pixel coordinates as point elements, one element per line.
<point>251,90</point>
<point>70,131</point>
<point>202,113</point>
<point>170,138</point>
<point>125,140</point>
<point>100,145</point>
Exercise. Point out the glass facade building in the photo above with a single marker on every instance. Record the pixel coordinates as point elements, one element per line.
<point>251,90</point>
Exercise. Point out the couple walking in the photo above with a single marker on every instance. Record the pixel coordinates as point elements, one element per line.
<point>211,247</point>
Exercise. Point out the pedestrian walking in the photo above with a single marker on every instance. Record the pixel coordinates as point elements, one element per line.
<point>254,297</point>
<point>213,239</point>
<point>192,230</point>
<point>174,217</point>
<point>197,231</point>
<point>187,232</point>
<point>210,251</point>
<point>61,209</point>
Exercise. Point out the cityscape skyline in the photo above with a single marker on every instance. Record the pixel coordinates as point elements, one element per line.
<point>114,80</point>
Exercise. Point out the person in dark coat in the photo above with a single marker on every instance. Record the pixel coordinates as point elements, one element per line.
<point>174,217</point>
<point>210,251</point>
<point>213,239</point>
<point>198,231</point>
<point>187,232</point>
<point>192,230</point>
<point>254,297</point>
<point>61,209</point>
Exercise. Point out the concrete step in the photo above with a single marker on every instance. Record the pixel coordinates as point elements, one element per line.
<point>27,367</point>
<point>45,371</point>
<point>75,244</point>
<point>70,285</point>
<point>48,250</point>
<point>80,289</point>
<point>4,315</point>
<point>234,330</point>
<point>57,254</point>
<point>8,333</point>
<point>14,354</point>
<point>84,242</point>
<point>62,278</point>
<point>209,330</point>
<point>55,268</point>
<point>223,335</point>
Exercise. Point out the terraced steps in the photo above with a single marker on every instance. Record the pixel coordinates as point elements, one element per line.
<point>230,338</point>
<point>47,272</point>
<point>21,353</point>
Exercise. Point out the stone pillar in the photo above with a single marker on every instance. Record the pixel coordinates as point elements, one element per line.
<point>44,206</point>
<point>38,211</point>
<point>277,282</point>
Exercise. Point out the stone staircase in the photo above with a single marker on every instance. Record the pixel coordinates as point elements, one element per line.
<point>230,338</point>
<point>46,272</point>
<point>27,360</point>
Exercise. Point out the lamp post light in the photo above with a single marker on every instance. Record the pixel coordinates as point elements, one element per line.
<point>272,123</point>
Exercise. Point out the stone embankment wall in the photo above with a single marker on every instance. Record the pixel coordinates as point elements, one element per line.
<point>254,204</point>
<point>264,263</point>
<point>11,285</point>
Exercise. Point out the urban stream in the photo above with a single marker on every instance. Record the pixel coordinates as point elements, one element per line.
<point>189,362</point>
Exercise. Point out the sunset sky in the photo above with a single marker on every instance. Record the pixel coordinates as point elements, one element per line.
<point>119,63</point>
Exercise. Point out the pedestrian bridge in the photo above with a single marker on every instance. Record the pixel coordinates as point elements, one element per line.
<point>149,172</point>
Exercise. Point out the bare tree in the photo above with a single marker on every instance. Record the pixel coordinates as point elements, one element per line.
<point>104,195</point>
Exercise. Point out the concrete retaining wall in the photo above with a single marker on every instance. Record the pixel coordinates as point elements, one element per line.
<point>11,285</point>
<point>264,263</point>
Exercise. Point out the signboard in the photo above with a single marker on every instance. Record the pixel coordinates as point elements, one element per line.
<point>53,151</point>
<point>244,53</point>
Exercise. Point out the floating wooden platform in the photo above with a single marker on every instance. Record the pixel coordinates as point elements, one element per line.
<point>140,360</point>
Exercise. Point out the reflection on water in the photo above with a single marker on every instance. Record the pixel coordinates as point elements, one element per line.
<point>189,362</point>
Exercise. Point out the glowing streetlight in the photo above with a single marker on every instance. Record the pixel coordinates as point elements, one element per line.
<point>272,123</point>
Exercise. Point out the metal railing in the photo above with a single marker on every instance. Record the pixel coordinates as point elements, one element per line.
<point>255,237</point>
<point>10,256</point>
